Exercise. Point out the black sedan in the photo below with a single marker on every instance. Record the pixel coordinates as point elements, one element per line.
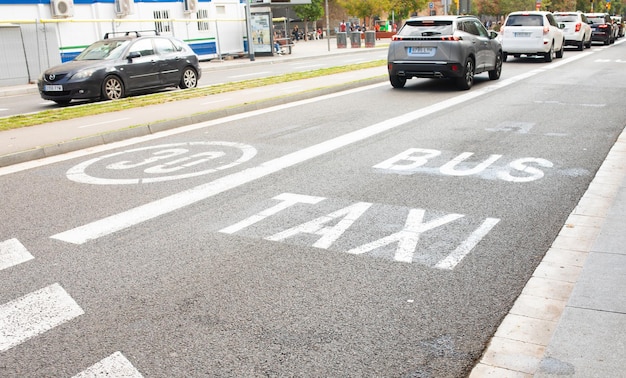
<point>115,67</point>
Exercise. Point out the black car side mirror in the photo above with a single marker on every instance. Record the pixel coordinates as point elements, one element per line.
<point>133,55</point>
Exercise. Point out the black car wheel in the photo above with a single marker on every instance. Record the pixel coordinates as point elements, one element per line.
<point>581,46</point>
<point>112,88</point>
<point>397,81</point>
<point>495,73</point>
<point>465,82</point>
<point>189,78</point>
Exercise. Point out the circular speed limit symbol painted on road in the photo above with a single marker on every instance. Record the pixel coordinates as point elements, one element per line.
<point>160,163</point>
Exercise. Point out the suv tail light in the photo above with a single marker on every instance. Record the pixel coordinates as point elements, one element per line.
<point>578,26</point>
<point>603,26</point>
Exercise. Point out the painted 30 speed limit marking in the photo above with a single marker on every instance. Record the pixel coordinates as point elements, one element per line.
<point>160,163</point>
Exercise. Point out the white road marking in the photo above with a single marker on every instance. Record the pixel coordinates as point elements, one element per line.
<point>103,123</point>
<point>164,152</point>
<point>3,109</point>
<point>137,215</point>
<point>455,257</point>
<point>407,238</point>
<point>251,74</point>
<point>116,365</point>
<point>288,200</point>
<point>12,253</point>
<point>216,101</point>
<point>35,313</point>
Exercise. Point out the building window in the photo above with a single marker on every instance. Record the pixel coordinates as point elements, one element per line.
<point>161,26</point>
<point>203,14</point>
<point>220,9</point>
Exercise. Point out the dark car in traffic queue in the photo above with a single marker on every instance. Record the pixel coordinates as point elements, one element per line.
<point>601,28</point>
<point>117,66</point>
<point>453,47</point>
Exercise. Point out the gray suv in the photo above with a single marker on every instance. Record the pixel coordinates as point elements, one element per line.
<point>455,47</point>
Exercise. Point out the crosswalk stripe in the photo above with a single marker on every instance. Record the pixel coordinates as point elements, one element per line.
<point>12,252</point>
<point>35,313</point>
<point>116,365</point>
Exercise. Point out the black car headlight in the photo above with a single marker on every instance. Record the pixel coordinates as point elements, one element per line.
<point>83,74</point>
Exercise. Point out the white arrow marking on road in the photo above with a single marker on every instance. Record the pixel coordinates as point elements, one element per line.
<point>12,252</point>
<point>202,192</point>
<point>35,313</point>
<point>116,365</point>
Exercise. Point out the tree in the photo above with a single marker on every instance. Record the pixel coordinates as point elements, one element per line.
<point>404,8</point>
<point>364,9</point>
<point>310,12</point>
<point>487,7</point>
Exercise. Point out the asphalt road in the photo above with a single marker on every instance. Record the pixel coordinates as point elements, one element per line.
<point>376,232</point>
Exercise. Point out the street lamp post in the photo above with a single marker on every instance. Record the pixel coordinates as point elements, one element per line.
<point>248,30</point>
<point>327,25</point>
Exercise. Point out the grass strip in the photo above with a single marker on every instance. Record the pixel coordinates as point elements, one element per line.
<point>94,108</point>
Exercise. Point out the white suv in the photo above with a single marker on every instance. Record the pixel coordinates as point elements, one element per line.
<point>532,33</point>
<point>577,30</point>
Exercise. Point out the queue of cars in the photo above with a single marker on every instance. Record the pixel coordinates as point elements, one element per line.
<point>459,47</point>
<point>117,66</point>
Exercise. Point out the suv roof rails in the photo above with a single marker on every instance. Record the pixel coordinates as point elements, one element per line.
<point>137,33</point>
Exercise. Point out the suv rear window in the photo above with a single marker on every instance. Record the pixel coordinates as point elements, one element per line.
<point>525,20</point>
<point>425,28</point>
<point>566,17</point>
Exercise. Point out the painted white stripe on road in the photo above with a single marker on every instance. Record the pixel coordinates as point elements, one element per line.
<point>35,313</point>
<point>103,123</point>
<point>216,101</point>
<point>116,365</point>
<point>251,74</point>
<point>202,192</point>
<point>12,252</point>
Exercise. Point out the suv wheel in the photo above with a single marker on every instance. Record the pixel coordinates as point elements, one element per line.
<point>465,82</point>
<point>495,73</point>
<point>559,53</point>
<point>550,54</point>
<point>581,45</point>
<point>397,81</point>
<point>112,88</point>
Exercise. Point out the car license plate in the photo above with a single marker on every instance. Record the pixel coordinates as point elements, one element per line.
<point>522,34</point>
<point>422,51</point>
<point>53,88</point>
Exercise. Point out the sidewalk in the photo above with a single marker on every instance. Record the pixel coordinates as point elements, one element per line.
<point>570,319</point>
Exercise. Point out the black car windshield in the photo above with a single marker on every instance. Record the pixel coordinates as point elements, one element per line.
<point>426,28</point>
<point>525,20</point>
<point>101,50</point>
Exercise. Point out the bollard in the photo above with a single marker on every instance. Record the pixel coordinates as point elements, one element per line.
<point>370,38</point>
<point>355,39</point>
<point>342,40</point>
